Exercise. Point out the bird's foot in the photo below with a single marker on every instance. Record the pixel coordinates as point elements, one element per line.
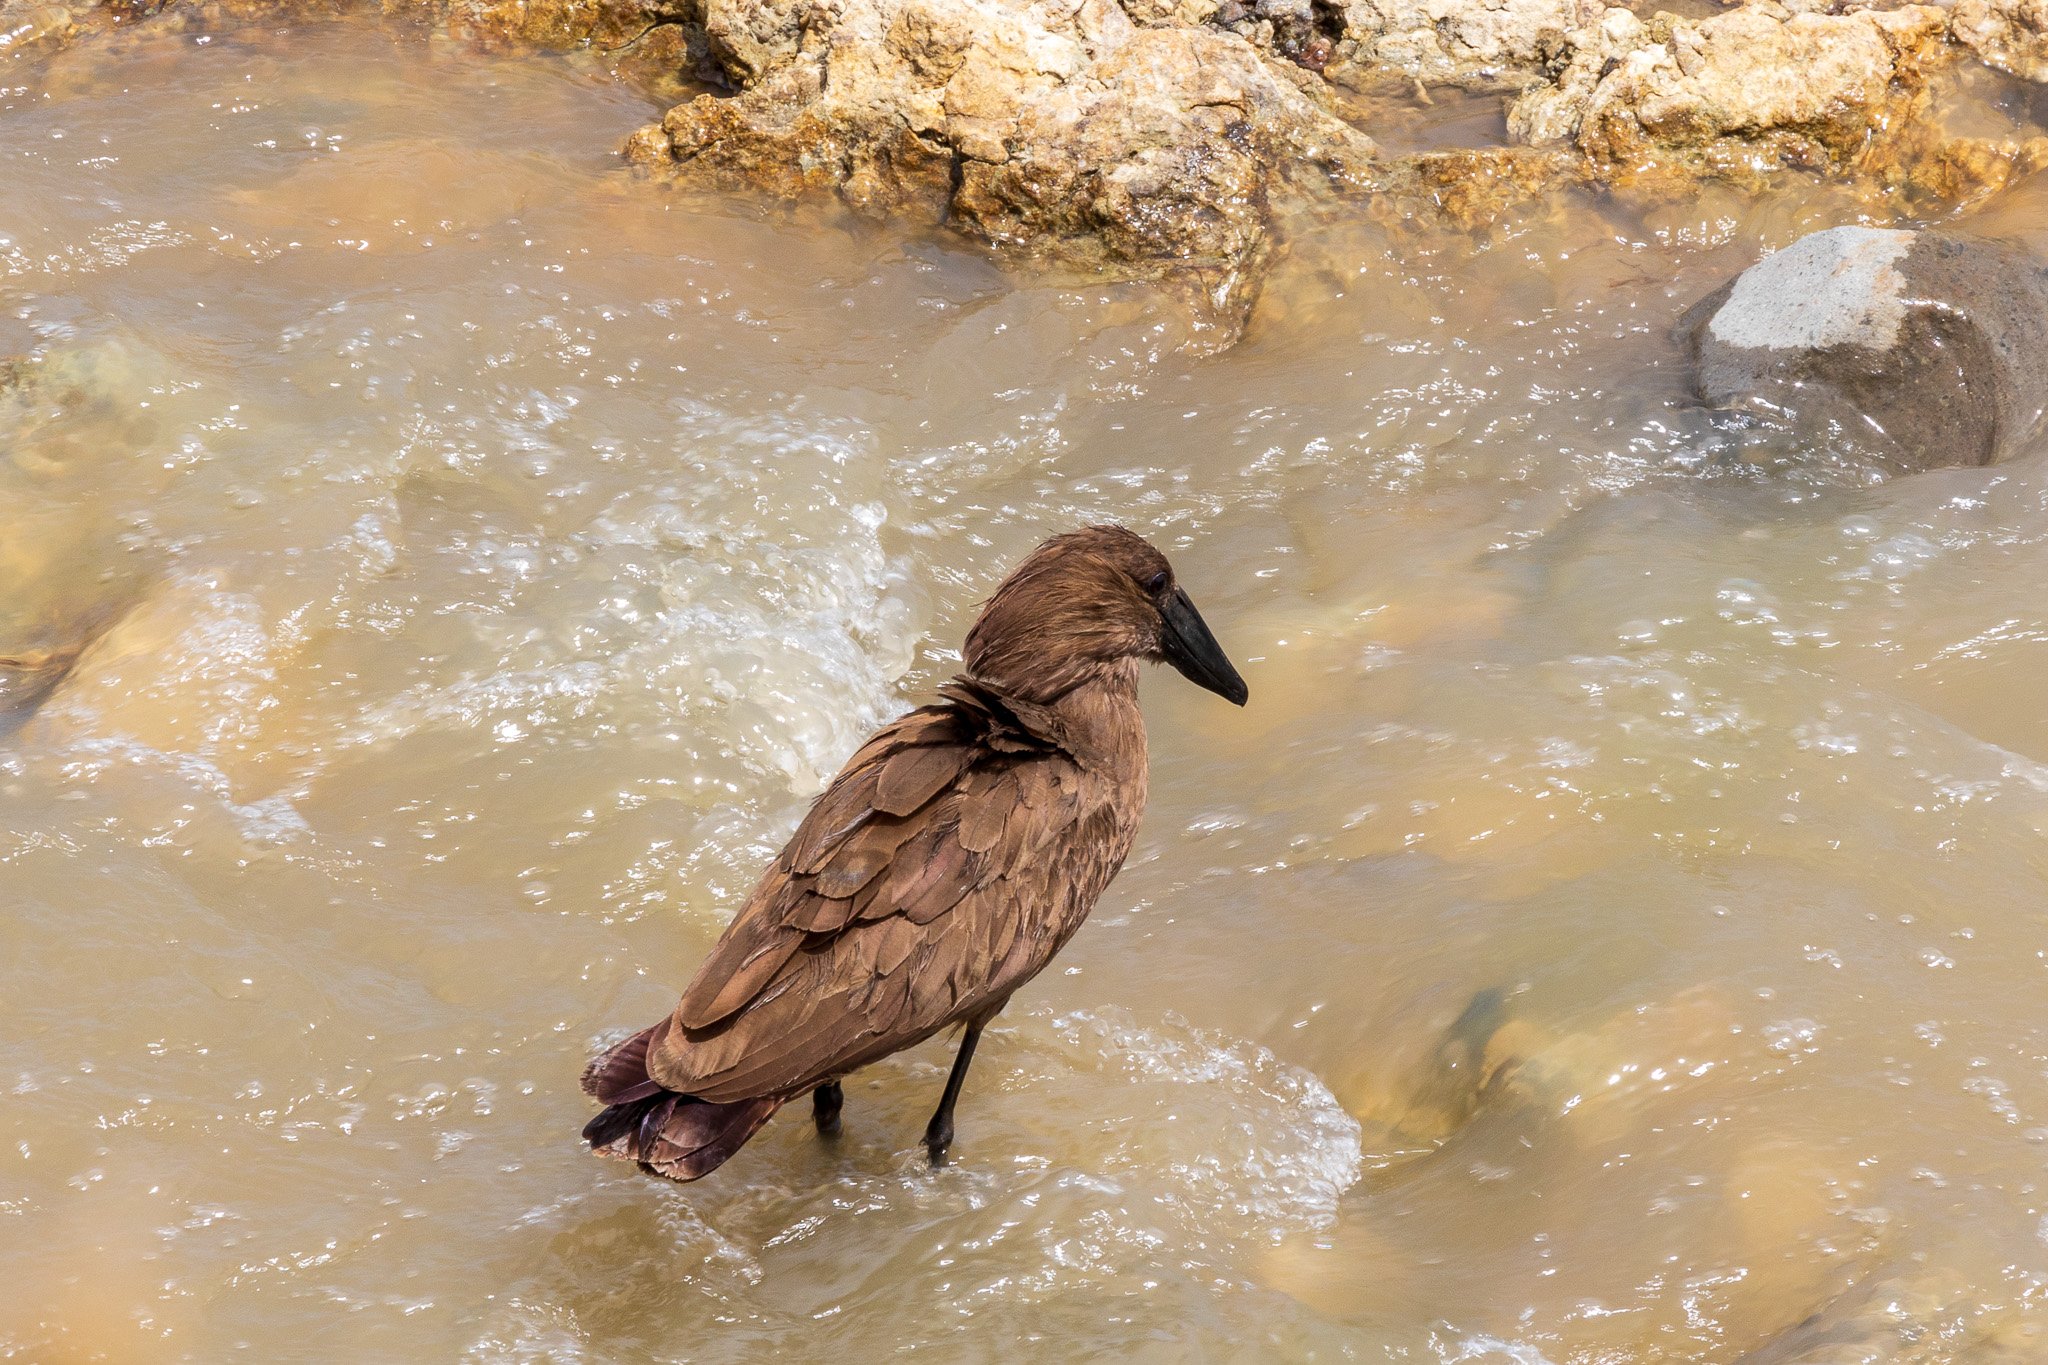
<point>826,1102</point>
<point>937,1142</point>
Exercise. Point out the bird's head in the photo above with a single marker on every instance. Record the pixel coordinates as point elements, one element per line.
<point>1084,605</point>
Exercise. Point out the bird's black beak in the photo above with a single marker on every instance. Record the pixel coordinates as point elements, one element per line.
<point>1189,647</point>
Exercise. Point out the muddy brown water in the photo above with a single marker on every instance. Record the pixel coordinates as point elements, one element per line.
<point>1613,932</point>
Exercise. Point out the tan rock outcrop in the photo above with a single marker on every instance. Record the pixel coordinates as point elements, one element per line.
<point>553,25</point>
<point>1655,107</point>
<point>1162,139</point>
<point>2009,34</point>
<point>24,26</point>
<point>1066,129</point>
<point>1484,44</point>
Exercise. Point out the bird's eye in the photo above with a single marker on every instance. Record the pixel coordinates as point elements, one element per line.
<point>1157,582</point>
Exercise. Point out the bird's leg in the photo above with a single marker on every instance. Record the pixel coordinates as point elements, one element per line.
<point>938,1134</point>
<point>826,1101</point>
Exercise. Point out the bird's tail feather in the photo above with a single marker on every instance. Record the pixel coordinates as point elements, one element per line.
<point>678,1136</point>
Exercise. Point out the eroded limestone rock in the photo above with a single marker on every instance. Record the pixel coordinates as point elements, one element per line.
<point>22,26</point>
<point>2011,35</point>
<point>1162,139</point>
<point>1154,138</point>
<point>1920,349</point>
<point>1505,44</point>
<point>1066,129</point>
<point>1759,89</point>
<point>552,25</point>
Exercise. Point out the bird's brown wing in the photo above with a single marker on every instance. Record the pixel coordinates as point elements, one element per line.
<point>943,867</point>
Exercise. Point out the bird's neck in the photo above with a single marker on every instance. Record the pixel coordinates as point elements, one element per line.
<point>1095,718</point>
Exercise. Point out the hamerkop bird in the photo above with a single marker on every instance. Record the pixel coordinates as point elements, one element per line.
<point>956,854</point>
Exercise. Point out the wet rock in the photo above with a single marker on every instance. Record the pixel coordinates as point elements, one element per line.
<point>1069,131</point>
<point>1912,1315</point>
<point>1920,349</point>
<point>1485,44</point>
<point>1472,187</point>
<point>1739,94</point>
<point>1156,139</point>
<point>2011,35</point>
<point>22,26</point>
<point>552,25</point>
<point>28,677</point>
<point>1164,139</point>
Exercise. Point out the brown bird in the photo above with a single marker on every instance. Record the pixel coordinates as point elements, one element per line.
<point>956,854</point>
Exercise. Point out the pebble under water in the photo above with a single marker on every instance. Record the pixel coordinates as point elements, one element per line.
<point>442,566</point>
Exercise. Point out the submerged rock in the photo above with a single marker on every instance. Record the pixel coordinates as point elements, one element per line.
<point>24,25</point>
<point>30,676</point>
<point>1922,349</point>
<point>1471,187</point>
<point>1920,1315</point>
<point>1597,1079</point>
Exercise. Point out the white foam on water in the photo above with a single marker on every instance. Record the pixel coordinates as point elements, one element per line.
<point>180,686</point>
<point>267,820</point>
<point>1492,1350</point>
<point>527,1332</point>
<point>560,695</point>
<point>1256,1144</point>
<point>735,590</point>
<point>791,647</point>
<point>1104,1152</point>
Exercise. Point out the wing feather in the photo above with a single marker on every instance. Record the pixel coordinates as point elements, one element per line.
<point>911,890</point>
<point>857,860</point>
<point>914,776</point>
<point>711,998</point>
<point>944,881</point>
<point>985,808</point>
<point>840,813</point>
<point>820,914</point>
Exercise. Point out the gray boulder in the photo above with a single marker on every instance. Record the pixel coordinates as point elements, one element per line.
<point>1914,349</point>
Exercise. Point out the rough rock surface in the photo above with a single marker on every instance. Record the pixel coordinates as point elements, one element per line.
<point>2009,34</point>
<point>1911,1315</point>
<point>1062,126</point>
<point>23,26</point>
<point>1157,139</point>
<point>1483,44</point>
<point>1920,349</point>
<point>551,25</point>
<point>1152,138</point>
<point>556,25</point>
<point>1658,106</point>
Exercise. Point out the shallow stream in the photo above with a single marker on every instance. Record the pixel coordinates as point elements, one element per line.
<point>443,566</point>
